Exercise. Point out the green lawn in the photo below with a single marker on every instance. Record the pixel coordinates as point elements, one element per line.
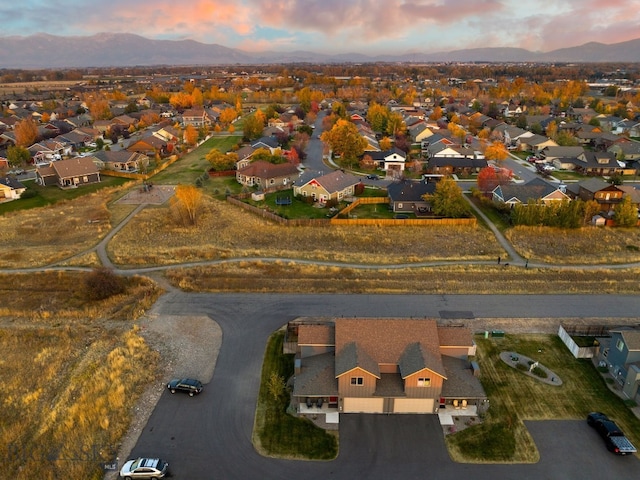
<point>298,208</point>
<point>52,194</point>
<point>192,165</point>
<point>276,433</point>
<point>515,397</point>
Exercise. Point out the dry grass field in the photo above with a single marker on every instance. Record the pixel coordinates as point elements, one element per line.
<point>71,372</point>
<point>291,277</point>
<point>587,245</point>
<point>42,236</point>
<point>225,231</point>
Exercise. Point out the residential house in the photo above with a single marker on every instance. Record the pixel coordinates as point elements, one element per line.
<point>383,365</point>
<point>599,163</point>
<point>10,188</point>
<point>196,117</point>
<point>48,150</point>
<point>550,153</point>
<point>244,156</point>
<point>536,190</point>
<point>419,132</point>
<point>267,175</point>
<point>121,160</point>
<point>455,165</point>
<point>621,355</point>
<point>534,143</point>
<point>391,161</point>
<point>332,187</point>
<point>124,121</point>
<point>270,143</point>
<point>626,150</point>
<point>69,173</point>
<point>407,196</point>
<point>150,145</point>
<point>606,194</point>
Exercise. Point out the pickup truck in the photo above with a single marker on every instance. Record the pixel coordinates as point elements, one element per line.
<point>613,437</point>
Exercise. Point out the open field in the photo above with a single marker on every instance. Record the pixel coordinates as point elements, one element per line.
<point>225,231</point>
<point>291,277</point>
<point>44,85</point>
<point>71,372</point>
<point>516,397</point>
<point>588,245</point>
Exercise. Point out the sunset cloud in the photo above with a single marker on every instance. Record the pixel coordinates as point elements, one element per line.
<point>368,26</point>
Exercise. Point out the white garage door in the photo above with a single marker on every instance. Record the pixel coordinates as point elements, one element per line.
<point>363,405</point>
<point>413,405</point>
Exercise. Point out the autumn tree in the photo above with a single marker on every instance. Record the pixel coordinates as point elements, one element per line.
<point>221,161</point>
<point>228,115</point>
<point>489,178</point>
<point>186,204</point>
<point>345,140</point>
<point>496,151</point>
<point>190,135</point>
<point>377,117</point>
<point>253,127</point>
<point>18,156</point>
<point>385,143</point>
<point>26,132</point>
<point>448,200</point>
<point>625,213</point>
<point>395,124</point>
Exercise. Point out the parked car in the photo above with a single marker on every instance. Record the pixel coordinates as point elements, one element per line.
<point>373,176</point>
<point>613,437</point>
<point>144,468</point>
<point>188,385</point>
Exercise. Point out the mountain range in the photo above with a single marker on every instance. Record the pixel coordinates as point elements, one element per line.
<point>124,49</point>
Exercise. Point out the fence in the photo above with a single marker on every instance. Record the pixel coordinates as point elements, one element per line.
<point>577,351</point>
<point>321,222</point>
<point>141,176</point>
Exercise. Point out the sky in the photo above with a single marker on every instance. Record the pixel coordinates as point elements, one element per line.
<point>338,26</point>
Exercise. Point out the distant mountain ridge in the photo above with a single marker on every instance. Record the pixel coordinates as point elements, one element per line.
<point>125,49</point>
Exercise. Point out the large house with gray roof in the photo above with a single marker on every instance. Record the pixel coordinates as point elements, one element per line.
<point>334,186</point>
<point>383,365</point>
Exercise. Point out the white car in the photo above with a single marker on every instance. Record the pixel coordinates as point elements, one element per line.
<point>147,468</point>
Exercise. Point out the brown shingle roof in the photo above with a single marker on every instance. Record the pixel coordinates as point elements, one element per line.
<point>74,167</point>
<point>455,337</point>
<point>316,334</point>
<point>386,339</point>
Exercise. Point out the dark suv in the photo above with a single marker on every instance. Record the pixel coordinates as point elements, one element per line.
<point>189,385</point>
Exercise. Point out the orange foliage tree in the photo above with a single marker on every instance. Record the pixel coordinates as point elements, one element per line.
<point>26,132</point>
<point>186,204</point>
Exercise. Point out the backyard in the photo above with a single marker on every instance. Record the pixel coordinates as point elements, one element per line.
<point>516,397</point>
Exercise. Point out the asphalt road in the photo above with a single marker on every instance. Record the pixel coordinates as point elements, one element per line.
<point>209,436</point>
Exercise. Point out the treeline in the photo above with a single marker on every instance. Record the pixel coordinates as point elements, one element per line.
<point>566,214</point>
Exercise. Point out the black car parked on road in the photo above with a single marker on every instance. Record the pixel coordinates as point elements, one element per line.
<point>189,385</point>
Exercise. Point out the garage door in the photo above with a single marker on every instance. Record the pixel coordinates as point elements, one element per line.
<point>413,405</point>
<point>363,405</point>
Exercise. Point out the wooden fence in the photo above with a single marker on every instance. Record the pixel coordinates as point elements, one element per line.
<point>321,222</point>
<point>141,176</point>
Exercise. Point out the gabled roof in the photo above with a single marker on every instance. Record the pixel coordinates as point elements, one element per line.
<point>264,169</point>
<point>353,356</point>
<point>593,184</point>
<point>416,358</point>
<point>409,191</point>
<point>11,182</point>
<point>385,339</point>
<point>536,189</point>
<point>117,156</point>
<point>559,151</point>
<point>599,160</point>
<point>335,181</point>
<point>270,142</point>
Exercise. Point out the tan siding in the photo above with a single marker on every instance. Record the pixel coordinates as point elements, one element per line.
<point>458,352</point>
<point>347,390</point>
<point>412,390</point>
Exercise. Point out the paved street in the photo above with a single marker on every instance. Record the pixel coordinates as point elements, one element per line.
<point>209,436</point>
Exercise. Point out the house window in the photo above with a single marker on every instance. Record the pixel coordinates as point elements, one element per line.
<point>357,381</point>
<point>620,344</point>
<point>424,382</point>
